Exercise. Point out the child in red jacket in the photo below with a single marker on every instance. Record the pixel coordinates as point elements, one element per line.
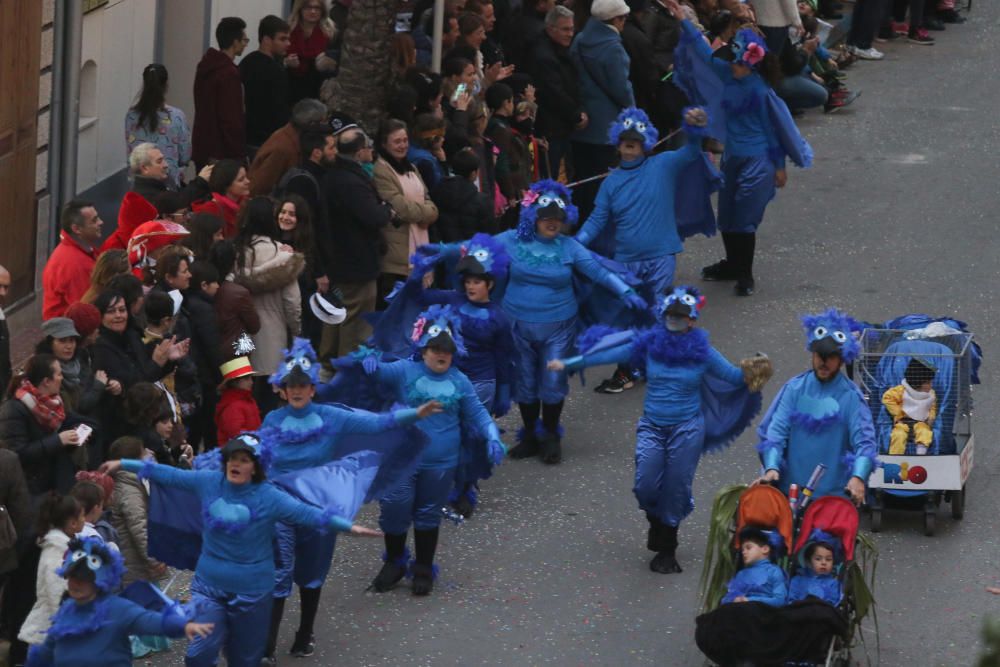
<point>236,412</point>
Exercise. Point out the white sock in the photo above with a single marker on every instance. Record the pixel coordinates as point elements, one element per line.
<point>921,450</point>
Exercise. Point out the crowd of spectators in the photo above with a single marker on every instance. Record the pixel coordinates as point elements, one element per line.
<point>230,226</point>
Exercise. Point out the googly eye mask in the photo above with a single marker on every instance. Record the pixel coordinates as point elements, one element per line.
<point>434,322</point>
<point>545,199</point>
<point>748,47</point>
<point>90,559</point>
<point>633,123</point>
<point>488,252</point>
<point>684,300</point>
<point>300,361</point>
<point>831,330</point>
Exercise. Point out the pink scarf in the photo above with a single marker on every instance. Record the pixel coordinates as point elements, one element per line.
<point>48,411</point>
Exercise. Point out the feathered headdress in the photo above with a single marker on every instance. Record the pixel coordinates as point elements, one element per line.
<point>546,198</point>
<point>684,300</point>
<point>90,559</point>
<point>633,123</point>
<point>299,359</point>
<point>748,47</point>
<point>820,537</point>
<point>438,321</point>
<point>831,331</point>
<point>489,252</point>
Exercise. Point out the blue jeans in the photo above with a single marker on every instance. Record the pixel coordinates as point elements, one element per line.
<point>749,187</point>
<point>241,625</point>
<point>535,344</point>
<point>301,555</point>
<point>418,499</point>
<point>666,458</point>
<point>801,92</point>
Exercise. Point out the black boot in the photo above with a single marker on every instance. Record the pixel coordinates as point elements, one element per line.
<point>551,444</point>
<point>465,503</point>
<point>424,544</point>
<point>724,269</point>
<point>747,245</point>
<point>527,445</point>
<point>277,611</point>
<point>665,560</point>
<point>305,643</point>
<point>394,569</point>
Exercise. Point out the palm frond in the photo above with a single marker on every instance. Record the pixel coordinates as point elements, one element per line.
<point>719,565</point>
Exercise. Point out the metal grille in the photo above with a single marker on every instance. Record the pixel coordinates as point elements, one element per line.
<point>888,356</point>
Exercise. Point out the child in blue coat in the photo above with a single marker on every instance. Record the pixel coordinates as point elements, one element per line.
<point>760,580</point>
<point>817,577</point>
<point>93,625</point>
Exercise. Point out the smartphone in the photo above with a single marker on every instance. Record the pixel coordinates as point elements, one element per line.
<point>83,431</point>
<point>459,91</point>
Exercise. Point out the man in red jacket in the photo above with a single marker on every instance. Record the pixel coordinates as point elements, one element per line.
<point>67,273</point>
<point>219,125</point>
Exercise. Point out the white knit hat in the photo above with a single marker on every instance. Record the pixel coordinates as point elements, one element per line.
<point>605,10</point>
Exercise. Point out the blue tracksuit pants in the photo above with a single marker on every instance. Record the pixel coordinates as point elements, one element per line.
<point>535,344</point>
<point>301,555</point>
<point>666,458</point>
<point>241,626</point>
<point>749,188</point>
<point>417,500</point>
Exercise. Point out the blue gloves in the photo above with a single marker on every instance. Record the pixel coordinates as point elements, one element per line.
<point>497,451</point>
<point>634,301</point>
<point>369,357</point>
<point>370,364</point>
<point>501,402</point>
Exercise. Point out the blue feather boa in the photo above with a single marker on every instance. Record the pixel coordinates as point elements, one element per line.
<point>671,349</point>
<point>70,622</point>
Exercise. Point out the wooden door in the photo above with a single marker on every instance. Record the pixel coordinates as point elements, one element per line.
<point>20,43</point>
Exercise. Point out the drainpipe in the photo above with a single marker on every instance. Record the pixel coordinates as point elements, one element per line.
<point>69,117</point>
<point>438,34</point>
<point>55,124</point>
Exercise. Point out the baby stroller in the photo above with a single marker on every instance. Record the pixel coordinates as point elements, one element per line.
<point>808,632</point>
<point>912,478</point>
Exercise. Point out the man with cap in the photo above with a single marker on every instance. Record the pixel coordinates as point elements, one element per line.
<point>637,202</point>
<point>435,340</point>
<point>303,435</point>
<point>820,416</point>
<point>673,430</point>
<point>234,578</point>
<point>93,623</point>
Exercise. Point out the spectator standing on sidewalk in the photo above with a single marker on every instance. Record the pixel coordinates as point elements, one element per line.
<point>67,273</point>
<point>219,127</point>
<point>265,83</point>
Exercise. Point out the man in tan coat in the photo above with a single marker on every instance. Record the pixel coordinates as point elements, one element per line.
<point>282,151</point>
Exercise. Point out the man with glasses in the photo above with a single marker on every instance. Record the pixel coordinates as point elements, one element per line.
<point>219,127</point>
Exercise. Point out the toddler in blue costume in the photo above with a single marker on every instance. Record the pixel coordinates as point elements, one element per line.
<point>234,577</point>
<point>818,563</point>
<point>760,580</point>
<point>93,625</point>
<point>301,435</point>
<point>672,432</point>
<point>542,304</point>
<point>436,336</point>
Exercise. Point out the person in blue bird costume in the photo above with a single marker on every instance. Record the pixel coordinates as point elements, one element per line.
<point>234,578</point>
<point>542,300</point>
<point>635,205</point>
<point>303,435</point>
<point>819,561</point>
<point>92,626</point>
<point>696,401</point>
<point>760,580</point>
<point>820,416</point>
<point>485,331</point>
<point>436,339</point>
<point>756,128</point>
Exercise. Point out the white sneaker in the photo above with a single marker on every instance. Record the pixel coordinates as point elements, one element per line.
<point>867,54</point>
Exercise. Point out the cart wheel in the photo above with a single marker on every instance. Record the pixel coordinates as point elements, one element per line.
<point>929,523</point>
<point>876,520</point>
<point>958,504</point>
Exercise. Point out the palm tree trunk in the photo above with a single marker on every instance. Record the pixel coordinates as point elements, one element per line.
<point>361,88</point>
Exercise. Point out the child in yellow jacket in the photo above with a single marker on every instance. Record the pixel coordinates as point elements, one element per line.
<point>912,404</point>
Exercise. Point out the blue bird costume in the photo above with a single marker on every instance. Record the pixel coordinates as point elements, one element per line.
<point>451,432</point>
<point>696,401</point>
<point>96,633</point>
<point>811,421</point>
<point>543,298</point>
<point>762,580</point>
<point>806,582</point>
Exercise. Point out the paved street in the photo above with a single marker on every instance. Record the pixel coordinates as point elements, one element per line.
<point>896,216</point>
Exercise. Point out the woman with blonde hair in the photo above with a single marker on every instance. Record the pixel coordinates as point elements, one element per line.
<point>308,64</point>
<point>111,263</point>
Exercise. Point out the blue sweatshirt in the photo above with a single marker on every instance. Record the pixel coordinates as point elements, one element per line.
<point>762,581</point>
<point>812,422</point>
<point>309,436</point>
<point>675,366</point>
<point>823,586</point>
<point>638,199</point>
<point>415,384</point>
<point>107,646</point>
<point>749,130</point>
<point>237,554</point>
<point>540,286</point>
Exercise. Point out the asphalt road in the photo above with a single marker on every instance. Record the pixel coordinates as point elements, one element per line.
<point>895,217</point>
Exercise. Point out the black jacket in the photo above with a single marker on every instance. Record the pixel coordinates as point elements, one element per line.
<point>556,89</point>
<point>664,31</point>
<point>265,96</point>
<point>356,218</point>
<point>47,464</point>
<point>526,27</point>
<point>150,188</point>
<point>642,70</point>
<point>309,186</point>
<point>205,341</point>
<point>14,496</point>
<point>462,210</point>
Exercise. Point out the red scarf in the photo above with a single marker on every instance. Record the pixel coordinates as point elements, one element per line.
<point>48,411</point>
